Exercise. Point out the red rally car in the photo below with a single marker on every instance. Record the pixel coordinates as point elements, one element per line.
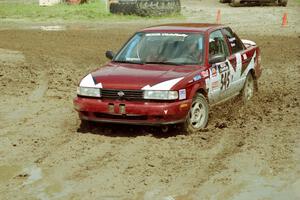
<point>170,74</point>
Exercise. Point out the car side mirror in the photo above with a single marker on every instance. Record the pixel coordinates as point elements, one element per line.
<point>109,54</point>
<point>217,58</point>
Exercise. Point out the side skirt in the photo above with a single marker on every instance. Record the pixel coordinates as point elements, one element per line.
<point>224,100</point>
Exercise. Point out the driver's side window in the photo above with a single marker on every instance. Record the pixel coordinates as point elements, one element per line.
<point>217,44</point>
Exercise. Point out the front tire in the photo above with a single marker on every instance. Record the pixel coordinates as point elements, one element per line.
<point>198,115</point>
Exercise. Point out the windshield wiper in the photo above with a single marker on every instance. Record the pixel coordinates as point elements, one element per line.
<point>163,63</point>
<point>130,62</point>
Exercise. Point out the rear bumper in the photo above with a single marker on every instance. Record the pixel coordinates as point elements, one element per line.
<point>132,112</point>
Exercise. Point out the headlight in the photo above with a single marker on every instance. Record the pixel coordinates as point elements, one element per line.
<point>87,91</point>
<point>160,95</point>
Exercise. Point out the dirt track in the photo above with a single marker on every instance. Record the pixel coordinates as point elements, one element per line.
<point>248,152</point>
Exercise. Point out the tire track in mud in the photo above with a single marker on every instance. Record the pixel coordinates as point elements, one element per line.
<point>83,155</point>
<point>28,107</point>
<point>129,169</point>
<point>38,93</point>
<point>121,163</point>
<point>15,60</point>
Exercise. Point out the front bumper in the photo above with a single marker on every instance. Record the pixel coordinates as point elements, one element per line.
<point>132,112</point>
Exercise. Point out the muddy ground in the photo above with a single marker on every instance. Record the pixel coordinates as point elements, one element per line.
<point>247,152</point>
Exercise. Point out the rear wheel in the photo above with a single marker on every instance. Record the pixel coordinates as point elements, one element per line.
<point>249,88</point>
<point>198,115</point>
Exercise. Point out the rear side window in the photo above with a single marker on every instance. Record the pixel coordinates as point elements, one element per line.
<point>217,44</point>
<point>235,43</point>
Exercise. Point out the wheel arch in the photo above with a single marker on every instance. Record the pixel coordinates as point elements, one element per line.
<point>198,89</point>
<point>202,91</point>
<point>252,72</point>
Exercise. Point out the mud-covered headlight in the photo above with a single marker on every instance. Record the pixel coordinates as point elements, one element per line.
<point>160,95</point>
<point>88,91</point>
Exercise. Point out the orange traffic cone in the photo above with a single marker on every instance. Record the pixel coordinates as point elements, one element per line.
<point>218,19</point>
<point>284,20</point>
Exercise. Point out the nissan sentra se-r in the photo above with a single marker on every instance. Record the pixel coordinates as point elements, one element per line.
<point>170,74</point>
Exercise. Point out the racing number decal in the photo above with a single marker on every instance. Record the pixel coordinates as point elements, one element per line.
<point>225,81</point>
<point>225,75</point>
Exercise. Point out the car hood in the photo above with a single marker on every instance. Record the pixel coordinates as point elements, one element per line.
<point>137,77</point>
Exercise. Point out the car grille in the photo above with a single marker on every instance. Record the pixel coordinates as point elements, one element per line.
<point>120,117</point>
<point>122,94</point>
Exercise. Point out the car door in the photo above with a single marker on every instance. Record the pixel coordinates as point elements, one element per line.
<point>238,60</point>
<point>220,76</point>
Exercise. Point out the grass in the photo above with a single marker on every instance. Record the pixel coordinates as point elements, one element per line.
<point>95,10</point>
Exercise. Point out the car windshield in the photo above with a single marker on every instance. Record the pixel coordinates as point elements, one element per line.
<point>163,48</point>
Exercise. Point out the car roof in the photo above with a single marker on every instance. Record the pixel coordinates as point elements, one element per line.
<point>183,27</point>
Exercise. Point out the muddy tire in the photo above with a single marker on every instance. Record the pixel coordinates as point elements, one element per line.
<point>158,8</point>
<point>146,7</point>
<point>198,115</point>
<point>113,8</point>
<point>249,88</point>
<point>235,3</point>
